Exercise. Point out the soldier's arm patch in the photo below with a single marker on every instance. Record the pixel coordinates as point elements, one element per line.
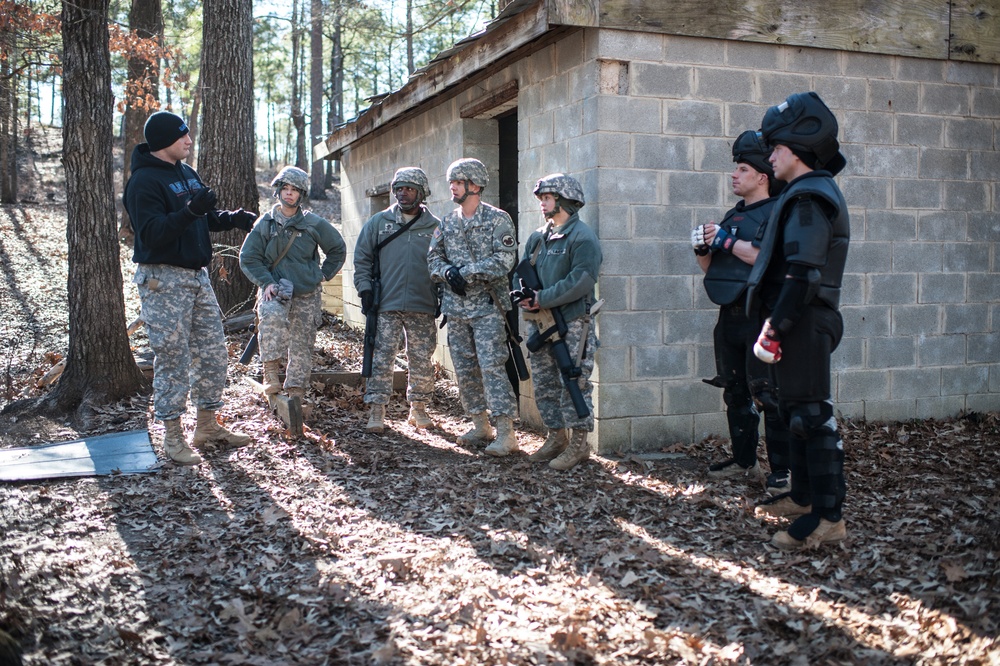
<point>437,232</point>
<point>508,240</point>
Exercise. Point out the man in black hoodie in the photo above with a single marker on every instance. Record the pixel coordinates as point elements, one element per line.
<point>172,213</point>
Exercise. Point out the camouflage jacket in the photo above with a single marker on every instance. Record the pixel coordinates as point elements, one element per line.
<point>484,249</point>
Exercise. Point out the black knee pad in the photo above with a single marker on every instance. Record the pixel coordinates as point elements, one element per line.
<point>806,419</point>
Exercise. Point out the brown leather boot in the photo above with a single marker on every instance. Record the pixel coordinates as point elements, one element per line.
<point>555,443</point>
<point>577,451</point>
<point>176,447</point>
<point>826,532</point>
<point>209,430</point>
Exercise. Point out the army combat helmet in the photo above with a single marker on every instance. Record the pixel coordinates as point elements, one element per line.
<point>805,124</point>
<point>569,194</point>
<point>413,177</point>
<point>293,176</point>
<point>471,171</point>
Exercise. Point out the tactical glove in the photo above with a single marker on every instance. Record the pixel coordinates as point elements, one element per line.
<point>698,240</point>
<point>723,241</point>
<point>455,280</point>
<point>242,219</point>
<point>202,202</point>
<point>285,289</point>
<point>367,300</point>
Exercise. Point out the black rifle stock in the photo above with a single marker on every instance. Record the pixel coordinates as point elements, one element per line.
<point>552,331</point>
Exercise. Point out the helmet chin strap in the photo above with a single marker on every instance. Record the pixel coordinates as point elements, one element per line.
<point>461,200</point>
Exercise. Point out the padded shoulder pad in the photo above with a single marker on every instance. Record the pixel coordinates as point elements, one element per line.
<point>808,231</point>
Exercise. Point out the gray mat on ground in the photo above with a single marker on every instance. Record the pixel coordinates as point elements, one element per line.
<point>115,453</point>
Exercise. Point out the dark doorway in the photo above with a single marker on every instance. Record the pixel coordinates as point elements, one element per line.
<point>507,188</point>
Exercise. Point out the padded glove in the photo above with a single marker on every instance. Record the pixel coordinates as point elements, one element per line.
<point>723,241</point>
<point>202,202</point>
<point>367,300</point>
<point>455,280</point>
<point>768,347</point>
<point>698,240</point>
<point>242,219</point>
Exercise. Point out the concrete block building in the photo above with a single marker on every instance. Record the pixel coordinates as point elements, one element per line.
<point>641,102</point>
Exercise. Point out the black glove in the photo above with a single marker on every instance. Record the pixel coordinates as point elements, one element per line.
<point>437,309</point>
<point>242,219</point>
<point>522,294</point>
<point>455,280</point>
<point>367,300</point>
<point>203,201</point>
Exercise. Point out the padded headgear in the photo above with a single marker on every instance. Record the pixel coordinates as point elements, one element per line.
<point>749,148</point>
<point>805,124</point>
<point>415,178</point>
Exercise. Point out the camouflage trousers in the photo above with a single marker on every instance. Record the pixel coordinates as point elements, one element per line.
<point>419,337</point>
<point>184,326</point>
<point>553,400</point>
<point>479,353</point>
<point>286,330</point>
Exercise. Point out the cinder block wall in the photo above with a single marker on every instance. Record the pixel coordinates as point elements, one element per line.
<point>646,123</point>
<point>922,284</point>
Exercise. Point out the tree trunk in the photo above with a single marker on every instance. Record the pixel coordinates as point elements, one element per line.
<point>336,114</point>
<point>8,116</point>
<point>317,183</point>
<point>194,126</point>
<point>146,20</point>
<point>228,143</point>
<point>298,118</point>
<point>99,364</point>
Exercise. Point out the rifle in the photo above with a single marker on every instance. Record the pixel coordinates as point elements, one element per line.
<point>551,331</point>
<point>371,317</point>
<point>251,348</point>
<point>509,318</point>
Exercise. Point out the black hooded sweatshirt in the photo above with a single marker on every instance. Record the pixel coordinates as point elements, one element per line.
<point>166,231</point>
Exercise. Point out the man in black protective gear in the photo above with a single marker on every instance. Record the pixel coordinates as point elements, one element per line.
<point>726,252</point>
<point>794,288</point>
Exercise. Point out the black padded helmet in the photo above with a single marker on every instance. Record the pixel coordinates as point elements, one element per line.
<point>805,124</point>
<point>751,149</point>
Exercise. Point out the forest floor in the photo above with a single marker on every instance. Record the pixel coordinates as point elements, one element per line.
<point>344,547</point>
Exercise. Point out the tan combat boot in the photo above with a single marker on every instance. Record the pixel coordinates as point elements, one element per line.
<point>506,440</point>
<point>272,383</point>
<point>376,418</point>
<point>577,451</point>
<point>296,392</point>
<point>826,532</point>
<point>176,447</point>
<point>555,443</point>
<point>209,430</point>
<point>418,415</point>
<point>482,431</point>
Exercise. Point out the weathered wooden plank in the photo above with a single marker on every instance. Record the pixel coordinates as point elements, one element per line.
<point>913,28</point>
<point>439,76</point>
<point>975,30</point>
<point>582,13</point>
<point>289,410</point>
<point>349,378</point>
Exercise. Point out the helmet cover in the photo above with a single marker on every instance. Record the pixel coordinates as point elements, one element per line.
<point>415,178</point>
<point>469,169</point>
<point>293,176</point>
<point>749,148</point>
<point>562,185</point>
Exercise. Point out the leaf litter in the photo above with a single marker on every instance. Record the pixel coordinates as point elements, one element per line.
<point>346,547</point>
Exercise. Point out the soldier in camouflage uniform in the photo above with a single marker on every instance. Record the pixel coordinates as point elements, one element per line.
<point>409,299</point>
<point>567,257</point>
<point>281,257</point>
<point>172,212</point>
<point>472,252</point>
